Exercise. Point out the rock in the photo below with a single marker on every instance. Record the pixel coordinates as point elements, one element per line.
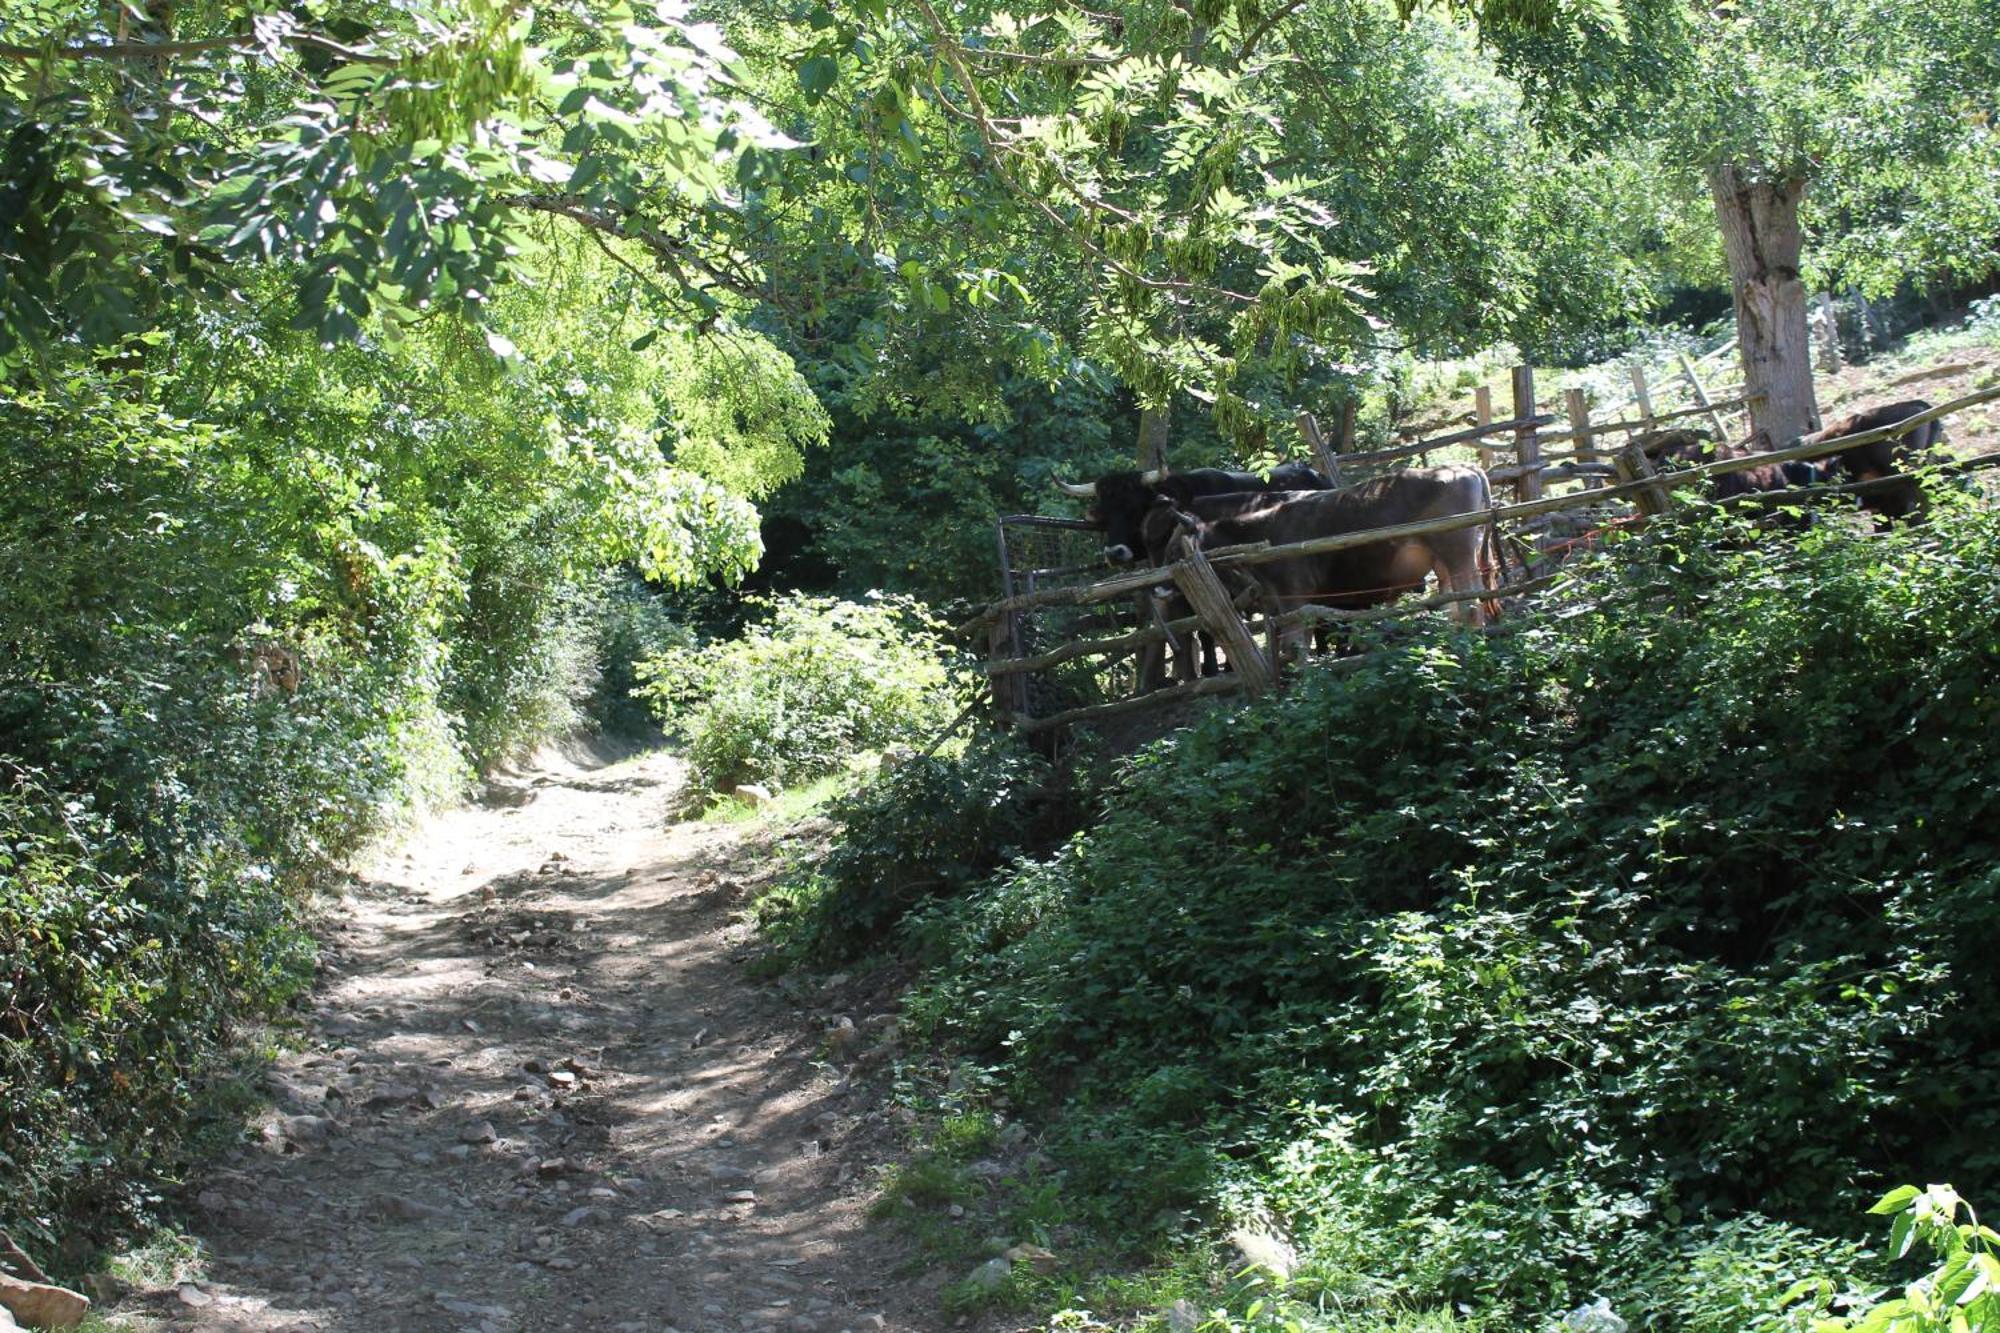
<point>39,1305</point>
<point>740,1196</point>
<point>551,1167</point>
<point>756,794</point>
<point>562,1080</point>
<point>103,1288</point>
<point>402,1208</point>
<point>390,1094</point>
<point>480,1131</point>
<point>446,1301</point>
<point>1597,1317</point>
<point>577,1217</point>
<point>1258,1249</point>
<point>7,1324</point>
<point>308,1129</point>
<point>1182,1317</point>
<point>193,1297</point>
<point>991,1274</point>
<point>1034,1256</point>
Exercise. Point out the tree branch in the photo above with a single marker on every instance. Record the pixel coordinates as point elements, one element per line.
<point>954,57</point>
<point>1263,30</point>
<point>162,50</point>
<point>671,254</point>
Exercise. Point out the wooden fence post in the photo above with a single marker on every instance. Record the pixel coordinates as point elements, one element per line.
<point>1701,398</point>
<point>1324,457</point>
<point>1633,465</point>
<point>1349,407</point>
<point>1198,582</point>
<point>1829,334</point>
<point>1482,413</point>
<point>1010,692</point>
<point>1642,395</point>
<point>1586,443</point>
<point>1527,439</point>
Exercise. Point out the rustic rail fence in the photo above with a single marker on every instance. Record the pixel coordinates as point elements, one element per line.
<point>1619,488</point>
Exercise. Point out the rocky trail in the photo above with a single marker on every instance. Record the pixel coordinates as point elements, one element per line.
<point>538,1092</point>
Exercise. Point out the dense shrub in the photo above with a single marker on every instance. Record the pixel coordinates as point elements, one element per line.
<point>800,694</point>
<point>1611,935</point>
<point>927,827</point>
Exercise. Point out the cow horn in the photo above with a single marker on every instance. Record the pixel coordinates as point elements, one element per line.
<point>1153,476</point>
<point>1084,491</point>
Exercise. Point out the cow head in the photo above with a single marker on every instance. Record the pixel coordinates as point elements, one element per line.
<point>1164,518</point>
<point>1118,505</point>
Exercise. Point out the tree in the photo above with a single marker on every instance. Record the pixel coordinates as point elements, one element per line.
<point>1765,100</point>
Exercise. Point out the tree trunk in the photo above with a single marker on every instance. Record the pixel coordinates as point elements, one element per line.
<point>1153,437</point>
<point>1760,236</point>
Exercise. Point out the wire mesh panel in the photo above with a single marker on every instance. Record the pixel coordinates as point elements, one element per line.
<point>1039,553</point>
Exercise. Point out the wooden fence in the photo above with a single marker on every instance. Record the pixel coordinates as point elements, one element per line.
<point>1618,487</point>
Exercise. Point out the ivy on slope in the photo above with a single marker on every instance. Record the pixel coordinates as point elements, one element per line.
<point>1509,969</point>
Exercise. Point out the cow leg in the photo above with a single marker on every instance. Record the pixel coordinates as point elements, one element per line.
<point>1456,564</point>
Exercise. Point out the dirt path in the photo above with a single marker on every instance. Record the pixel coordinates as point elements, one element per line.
<point>542,1095</point>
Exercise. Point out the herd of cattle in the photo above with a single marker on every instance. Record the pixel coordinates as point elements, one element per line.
<point>1142,514</point>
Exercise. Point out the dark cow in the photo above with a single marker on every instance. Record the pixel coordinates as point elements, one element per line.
<point>1360,576</point>
<point>1677,448</point>
<point>1886,457</point>
<point>1297,477</point>
<point>1119,501</point>
<point>1671,450</point>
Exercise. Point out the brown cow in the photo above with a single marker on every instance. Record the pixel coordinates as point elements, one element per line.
<point>1358,576</point>
<point>1886,457</point>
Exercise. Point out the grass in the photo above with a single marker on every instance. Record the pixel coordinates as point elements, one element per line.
<point>791,805</point>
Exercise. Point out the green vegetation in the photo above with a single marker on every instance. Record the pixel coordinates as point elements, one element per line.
<point>928,827</point>
<point>384,391</point>
<point>798,696</point>
<point>1612,955</point>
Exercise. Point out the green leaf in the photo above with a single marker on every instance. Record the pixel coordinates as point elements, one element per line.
<point>817,75</point>
<point>1895,1201</point>
<point>645,340</point>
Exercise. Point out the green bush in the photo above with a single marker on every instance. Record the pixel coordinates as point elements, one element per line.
<point>1603,935</point>
<point>924,828</point>
<point>1961,1293</point>
<point>800,694</point>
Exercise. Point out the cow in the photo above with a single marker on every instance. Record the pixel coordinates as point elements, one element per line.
<point>1671,450</point>
<point>1886,457</point>
<point>1677,448</point>
<point>1358,576</point>
<point>1119,501</point>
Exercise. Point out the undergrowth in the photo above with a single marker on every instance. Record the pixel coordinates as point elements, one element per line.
<point>1626,954</point>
